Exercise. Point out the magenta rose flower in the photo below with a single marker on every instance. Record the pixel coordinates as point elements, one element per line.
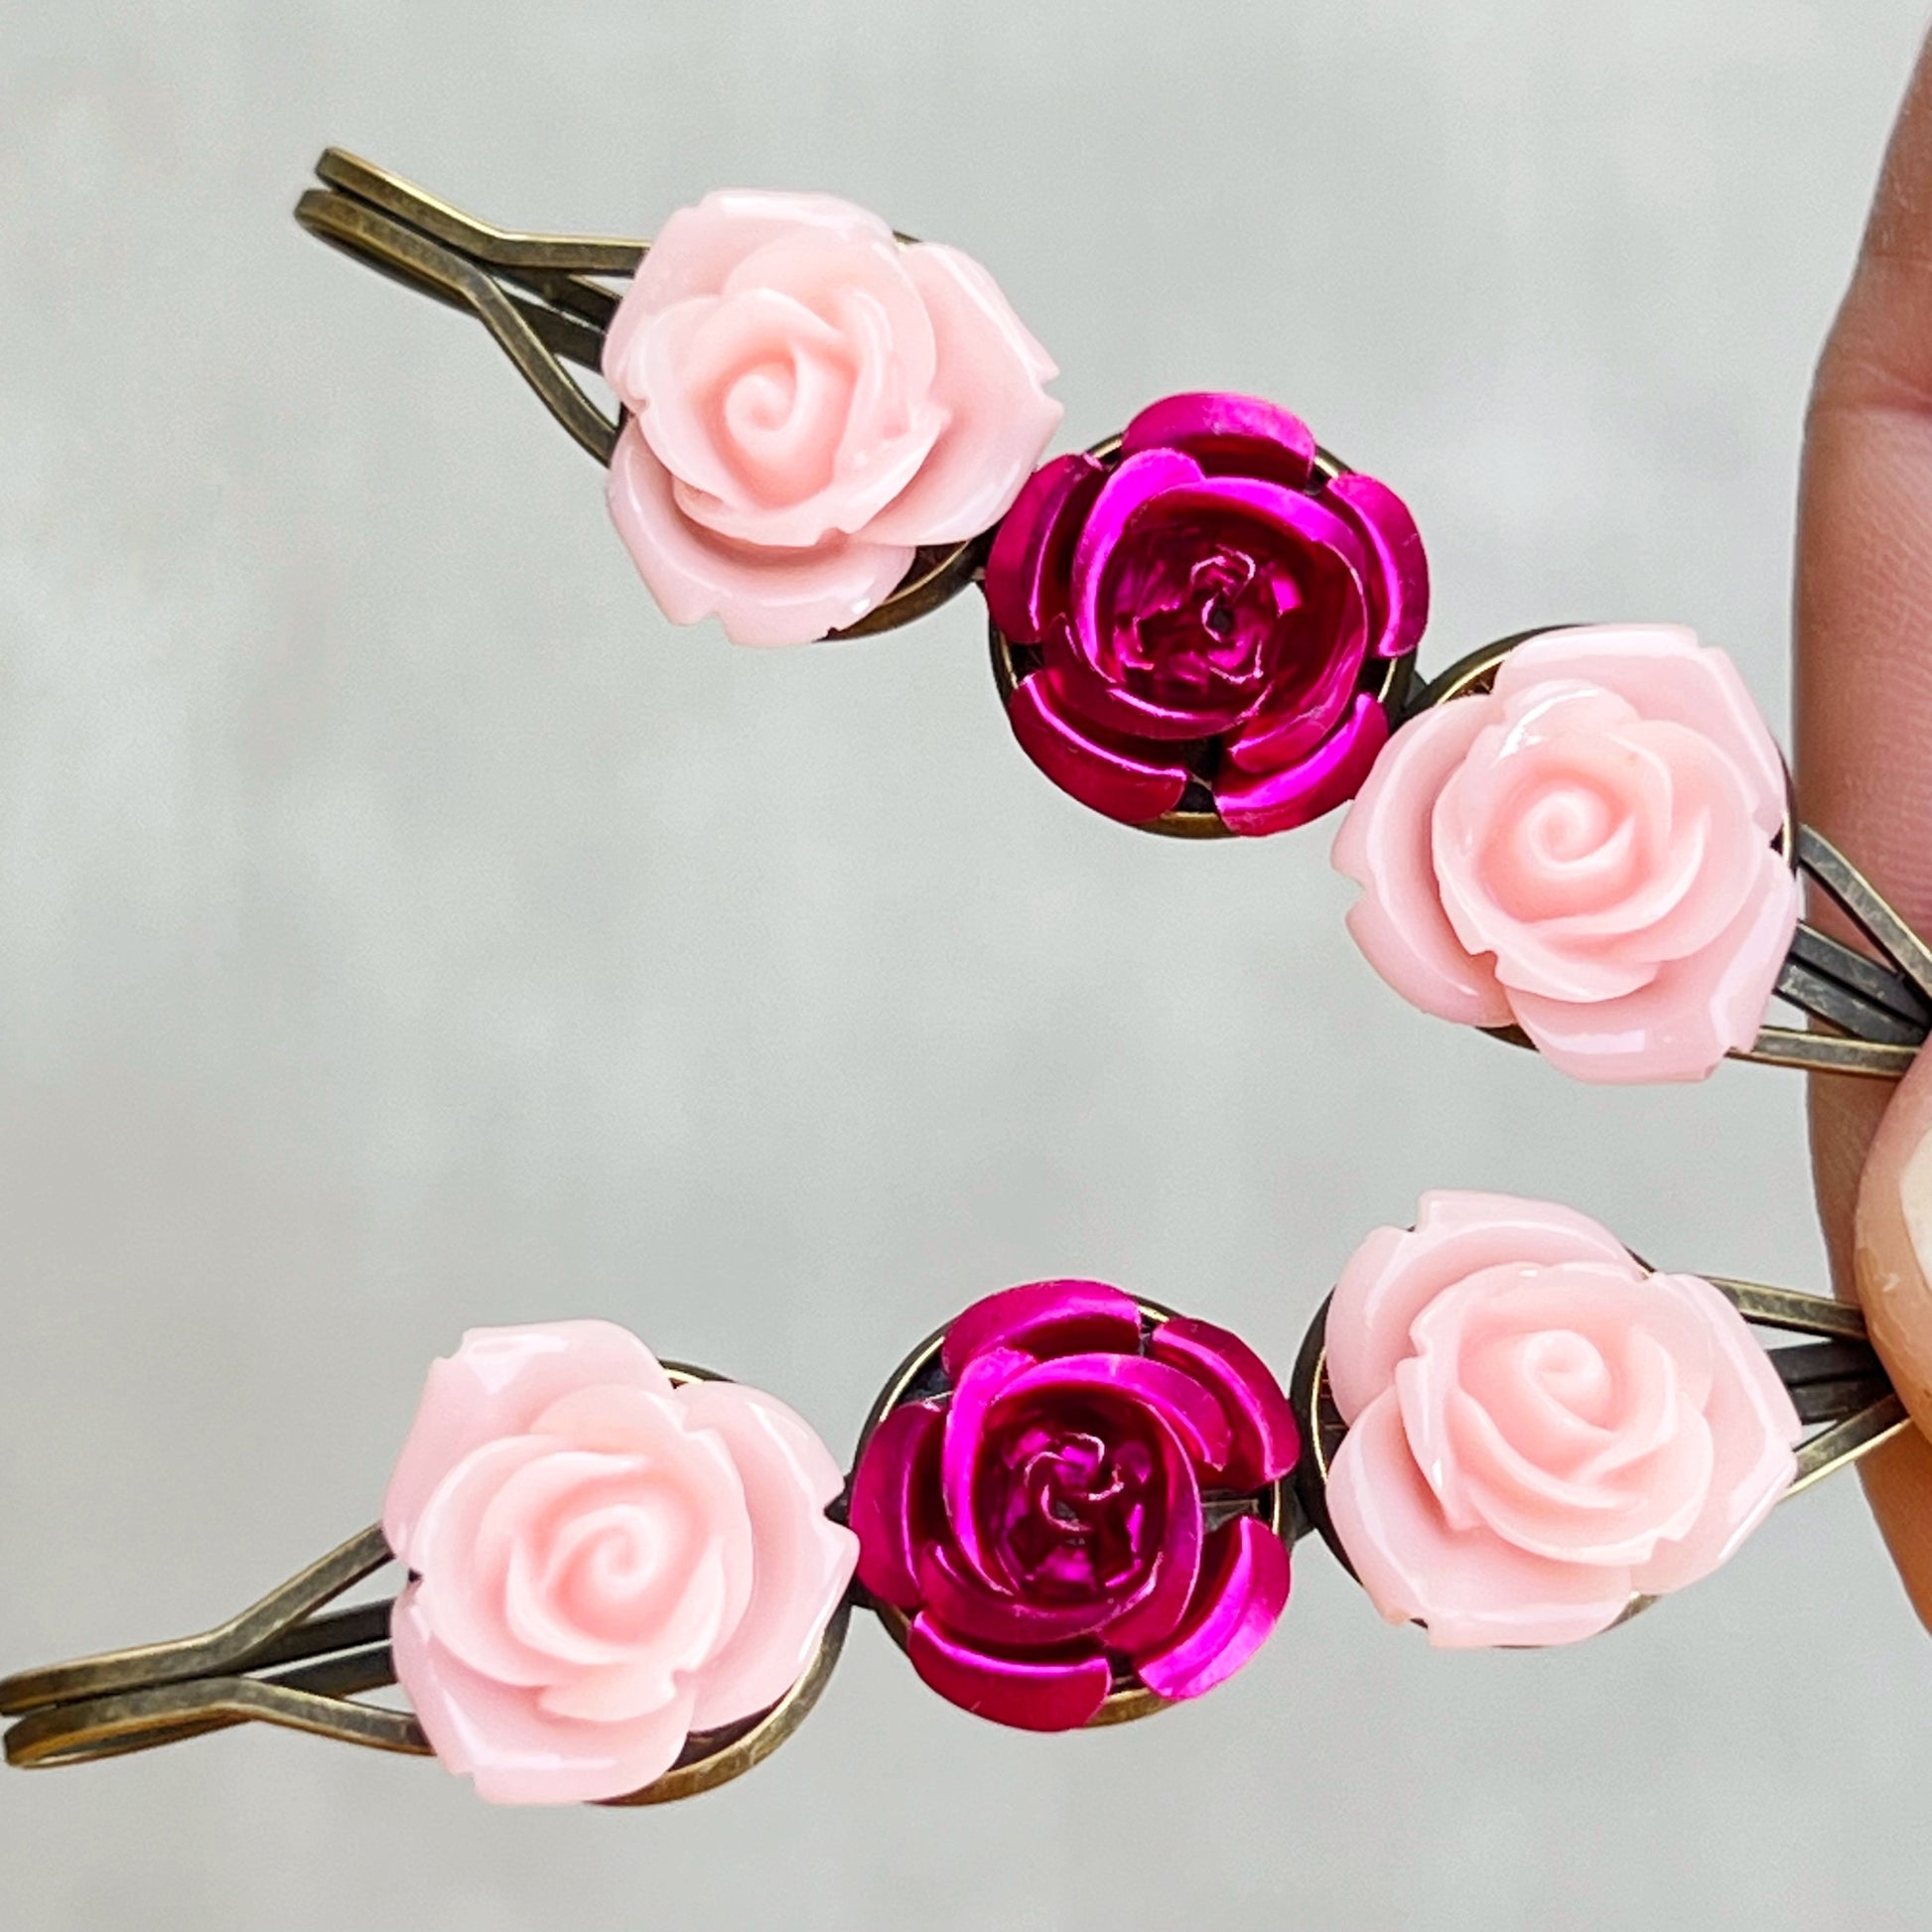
<point>1206,609</point>
<point>603,1561</point>
<point>1539,1428</point>
<point>1045,1518</point>
<point>1587,851</point>
<point>808,401</point>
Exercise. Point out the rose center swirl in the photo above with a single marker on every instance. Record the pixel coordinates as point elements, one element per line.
<point>1564,846</point>
<point>1073,1510</point>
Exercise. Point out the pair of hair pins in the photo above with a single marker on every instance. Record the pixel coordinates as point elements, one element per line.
<point>629,1581</point>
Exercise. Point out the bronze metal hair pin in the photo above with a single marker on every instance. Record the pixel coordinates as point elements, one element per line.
<point>1151,1479</point>
<point>545,300</point>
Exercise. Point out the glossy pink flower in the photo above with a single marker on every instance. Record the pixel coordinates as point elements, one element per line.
<point>603,1563</point>
<point>1539,1429</point>
<point>1042,1518</point>
<point>1587,851</point>
<point>1207,610</point>
<point>808,402</point>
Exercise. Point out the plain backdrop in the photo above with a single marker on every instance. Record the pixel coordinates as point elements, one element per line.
<point>402,927</point>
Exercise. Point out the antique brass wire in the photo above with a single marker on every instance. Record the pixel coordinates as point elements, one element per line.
<point>157,1694</point>
<point>1195,817</point>
<point>1837,1381</point>
<point>919,1375</point>
<point>1879,1010</point>
<point>281,1663</point>
<point>543,299</point>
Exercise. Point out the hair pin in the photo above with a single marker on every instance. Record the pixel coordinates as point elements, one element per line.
<point>1205,626</point>
<point>628,1581</point>
<point>1580,839</point>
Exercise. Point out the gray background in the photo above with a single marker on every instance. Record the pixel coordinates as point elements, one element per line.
<point>402,928</point>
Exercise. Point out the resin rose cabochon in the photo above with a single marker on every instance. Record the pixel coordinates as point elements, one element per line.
<point>603,1561</point>
<point>1588,851</point>
<point>1540,1429</point>
<point>809,402</point>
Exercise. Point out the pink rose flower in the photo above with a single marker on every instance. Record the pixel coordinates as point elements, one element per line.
<point>808,402</point>
<point>604,1562</point>
<point>1207,610</point>
<point>1043,1518</point>
<point>1539,1429</point>
<point>1588,852</point>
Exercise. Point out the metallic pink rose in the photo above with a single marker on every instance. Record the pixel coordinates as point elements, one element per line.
<point>604,1562</point>
<point>1044,1519</point>
<point>1205,609</point>
<point>808,402</point>
<point>1540,1429</point>
<point>1588,852</point>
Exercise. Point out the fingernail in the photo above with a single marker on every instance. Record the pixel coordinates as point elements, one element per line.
<point>1892,1230</point>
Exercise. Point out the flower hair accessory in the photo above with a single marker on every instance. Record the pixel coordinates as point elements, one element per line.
<point>1582,839</point>
<point>1211,606</point>
<point>627,1581</point>
<point>1067,1500</point>
<point>1204,626</point>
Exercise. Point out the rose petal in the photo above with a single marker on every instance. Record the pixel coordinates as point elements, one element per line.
<point>1476,829</point>
<point>987,388</point>
<point>761,596</point>
<point>695,1460</point>
<point>1242,1593</point>
<point>854,421</point>
<point>1183,495</point>
<point>1604,1523</point>
<point>894,1503</point>
<point>1692,1014</point>
<point>1058,1317</point>
<point>497,1384</point>
<point>1227,435</point>
<point>1396,1273</point>
<point>1384,845</point>
<point>982,1382</point>
<point>1265,1443</point>
<point>1470,1587</point>
<point>1754,1428</point>
<point>1294,722</point>
<point>1281,801</point>
<point>1128,488</point>
<point>698,247</point>
<point>778,467</point>
<point>673,1653</point>
<point>1672,874</point>
<point>1153,1615</point>
<point>1031,564</point>
<point>515,1751</point>
<point>971,1607</point>
<point>1134,1381</point>
<point>1121,784</point>
<point>675,366</point>
<point>800,1560</point>
<point>1114,712</point>
<point>1031,1694</point>
<point>1398,574</point>
<point>1665,673</point>
<point>1477,1448</point>
<point>463,1601</point>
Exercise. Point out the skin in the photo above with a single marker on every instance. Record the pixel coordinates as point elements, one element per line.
<point>1863,618</point>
